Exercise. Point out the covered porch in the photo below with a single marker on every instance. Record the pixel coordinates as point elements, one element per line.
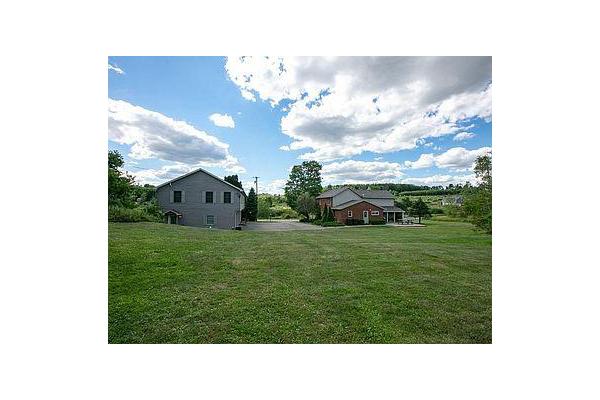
<point>393,215</point>
<point>172,217</point>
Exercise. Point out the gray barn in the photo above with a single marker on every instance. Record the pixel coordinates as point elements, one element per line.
<point>201,199</point>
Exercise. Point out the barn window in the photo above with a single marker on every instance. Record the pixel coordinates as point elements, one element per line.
<point>349,213</point>
<point>210,220</point>
<point>209,197</point>
<point>227,197</point>
<point>374,212</point>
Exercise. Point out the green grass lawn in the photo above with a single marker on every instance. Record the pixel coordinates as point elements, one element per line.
<point>175,284</point>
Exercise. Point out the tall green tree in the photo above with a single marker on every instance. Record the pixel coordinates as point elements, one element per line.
<point>477,205</point>
<point>304,178</point>
<point>420,209</point>
<point>120,185</point>
<point>234,180</point>
<point>306,204</point>
<point>251,206</point>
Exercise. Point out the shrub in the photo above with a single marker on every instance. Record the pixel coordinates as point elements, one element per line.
<point>331,223</point>
<point>377,221</point>
<point>139,214</point>
<point>352,221</point>
<point>437,211</point>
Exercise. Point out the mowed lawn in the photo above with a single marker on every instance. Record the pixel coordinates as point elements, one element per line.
<point>379,284</point>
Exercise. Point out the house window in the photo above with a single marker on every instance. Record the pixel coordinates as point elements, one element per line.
<point>374,212</point>
<point>227,197</point>
<point>210,220</point>
<point>349,213</point>
<point>209,197</point>
<point>177,196</point>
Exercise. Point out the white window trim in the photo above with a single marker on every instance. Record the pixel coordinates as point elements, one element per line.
<point>374,212</point>
<point>349,213</point>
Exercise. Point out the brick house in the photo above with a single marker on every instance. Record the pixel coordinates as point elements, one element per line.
<point>365,205</point>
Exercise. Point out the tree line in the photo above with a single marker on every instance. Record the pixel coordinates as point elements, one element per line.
<point>128,201</point>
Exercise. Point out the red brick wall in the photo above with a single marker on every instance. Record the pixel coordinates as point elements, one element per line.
<point>324,202</point>
<point>357,212</point>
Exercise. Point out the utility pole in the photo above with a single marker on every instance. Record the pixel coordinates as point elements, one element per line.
<point>256,185</point>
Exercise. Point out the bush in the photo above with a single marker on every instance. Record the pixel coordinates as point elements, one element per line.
<point>352,221</point>
<point>437,211</point>
<point>139,214</point>
<point>316,222</point>
<point>377,221</point>
<point>331,223</point>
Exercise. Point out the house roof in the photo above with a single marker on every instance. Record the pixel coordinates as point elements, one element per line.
<point>374,194</point>
<point>392,209</point>
<point>207,173</point>
<point>365,194</point>
<point>351,203</point>
<point>177,213</point>
<point>331,193</point>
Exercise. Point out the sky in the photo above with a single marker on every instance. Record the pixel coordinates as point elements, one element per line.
<point>419,120</point>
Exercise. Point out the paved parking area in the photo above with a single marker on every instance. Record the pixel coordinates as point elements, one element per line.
<point>280,225</point>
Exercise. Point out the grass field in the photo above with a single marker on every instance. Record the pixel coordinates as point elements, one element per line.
<point>175,284</point>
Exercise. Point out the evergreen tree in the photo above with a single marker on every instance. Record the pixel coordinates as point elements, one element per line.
<point>251,206</point>
<point>420,209</point>
<point>318,216</point>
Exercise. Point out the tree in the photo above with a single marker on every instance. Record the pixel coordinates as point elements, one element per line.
<point>483,170</point>
<point>304,178</point>
<point>318,215</point>
<point>265,202</point>
<point>420,209</point>
<point>251,206</point>
<point>405,204</point>
<point>477,205</point>
<point>120,185</point>
<point>306,204</point>
<point>234,180</point>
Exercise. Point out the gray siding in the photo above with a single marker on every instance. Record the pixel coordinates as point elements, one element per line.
<point>345,196</point>
<point>193,205</point>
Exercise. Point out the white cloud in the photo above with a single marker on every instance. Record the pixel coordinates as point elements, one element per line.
<point>116,69</point>
<point>343,106</point>
<point>223,120</point>
<point>154,135</point>
<point>284,148</point>
<point>351,171</point>
<point>273,187</point>
<point>441,180</point>
<point>464,136</point>
<point>424,161</point>
<point>456,158</point>
<point>378,158</point>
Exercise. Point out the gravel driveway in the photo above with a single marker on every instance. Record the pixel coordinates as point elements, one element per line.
<point>280,225</point>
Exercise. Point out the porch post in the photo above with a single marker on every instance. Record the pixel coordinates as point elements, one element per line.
<point>394,216</point>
